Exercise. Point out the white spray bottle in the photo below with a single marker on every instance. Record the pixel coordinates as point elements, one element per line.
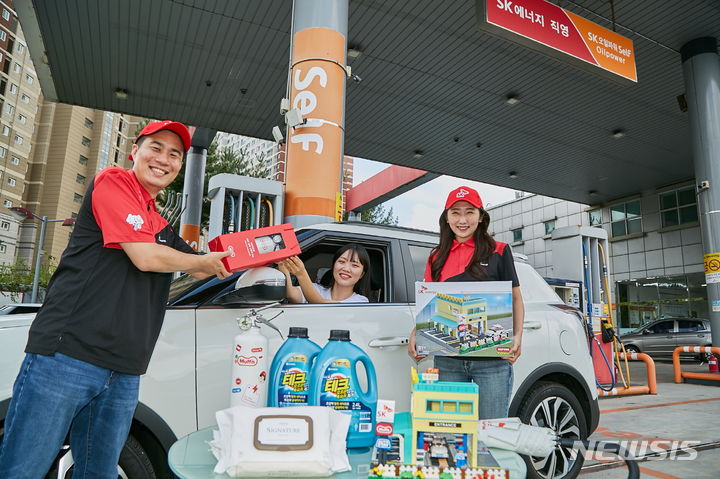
<point>250,360</point>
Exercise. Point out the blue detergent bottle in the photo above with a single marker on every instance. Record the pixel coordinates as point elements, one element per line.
<point>334,383</point>
<point>290,370</point>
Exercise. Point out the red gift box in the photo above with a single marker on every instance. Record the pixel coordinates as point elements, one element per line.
<point>257,247</point>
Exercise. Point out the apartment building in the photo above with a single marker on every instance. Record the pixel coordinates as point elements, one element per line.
<point>19,97</point>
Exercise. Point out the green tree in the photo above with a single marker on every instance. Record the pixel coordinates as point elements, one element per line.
<point>379,215</point>
<point>220,161</point>
<point>18,278</point>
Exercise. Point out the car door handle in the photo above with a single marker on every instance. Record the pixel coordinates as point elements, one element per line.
<point>532,325</point>
<point>388,341</point>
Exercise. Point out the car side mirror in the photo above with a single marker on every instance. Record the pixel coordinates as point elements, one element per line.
<point>261,285</point>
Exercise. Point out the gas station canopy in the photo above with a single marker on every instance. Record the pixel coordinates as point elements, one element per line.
<point>431,90</point>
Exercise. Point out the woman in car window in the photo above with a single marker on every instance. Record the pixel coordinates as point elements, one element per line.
<point>467,252</point>
<point>348,283</point>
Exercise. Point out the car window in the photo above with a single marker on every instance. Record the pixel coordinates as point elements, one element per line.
<point>690,325</point>
<point>662,327</point>
<point>318,263</point>
<point>419,256</point>
<point>533,287</point>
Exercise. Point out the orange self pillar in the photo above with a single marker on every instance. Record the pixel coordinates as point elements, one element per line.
<point>317,90</point>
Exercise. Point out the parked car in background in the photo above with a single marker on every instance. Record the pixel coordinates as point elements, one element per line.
<point>19,308</point>
<point>660,337</point>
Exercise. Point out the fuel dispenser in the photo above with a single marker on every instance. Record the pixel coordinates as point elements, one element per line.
<point>239,203</point>
<point>580,252</point>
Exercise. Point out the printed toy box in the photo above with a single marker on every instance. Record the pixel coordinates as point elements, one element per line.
<point>464,318</point>
<point>258,247</point>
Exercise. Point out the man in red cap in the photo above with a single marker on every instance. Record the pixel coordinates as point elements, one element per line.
<point>95,333</point>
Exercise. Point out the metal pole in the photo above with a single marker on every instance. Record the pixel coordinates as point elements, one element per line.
<point>193,186</point>
<point>701,66</point>
<point>38,259</point>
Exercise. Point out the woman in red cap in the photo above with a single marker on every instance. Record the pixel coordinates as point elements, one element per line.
<point>467,252</point>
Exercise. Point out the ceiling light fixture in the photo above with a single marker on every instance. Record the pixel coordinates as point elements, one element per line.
<point>417,154</point>
<point>121,93</point>
<point>512,99</point>
<point>353,51</point>
<point>618,133</point>
<point>513,174</point>
<point>592,193</point>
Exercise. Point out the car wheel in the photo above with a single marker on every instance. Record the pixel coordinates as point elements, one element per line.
<point>552,405</point>
<point>631,349</point>
<point>133,464</point>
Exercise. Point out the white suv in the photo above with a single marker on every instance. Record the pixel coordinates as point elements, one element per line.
<point>187,380</point>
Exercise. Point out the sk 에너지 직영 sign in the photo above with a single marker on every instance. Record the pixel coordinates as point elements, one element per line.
<point>472,319</point>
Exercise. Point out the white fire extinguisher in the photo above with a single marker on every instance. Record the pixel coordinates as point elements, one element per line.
<point>250,360</point>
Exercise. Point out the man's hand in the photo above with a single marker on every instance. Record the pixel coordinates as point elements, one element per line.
<point>211,265</point>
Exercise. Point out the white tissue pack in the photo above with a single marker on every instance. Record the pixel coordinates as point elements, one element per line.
<point>302,441</point>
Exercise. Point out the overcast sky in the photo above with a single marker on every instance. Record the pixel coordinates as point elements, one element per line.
<point>421,207</point>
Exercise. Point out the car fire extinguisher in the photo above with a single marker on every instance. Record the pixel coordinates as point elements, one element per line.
<point>713,363</point>
<point>250,361</point>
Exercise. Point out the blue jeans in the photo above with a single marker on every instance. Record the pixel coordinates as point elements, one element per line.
<point>494,377</point>
<point>56,394</point>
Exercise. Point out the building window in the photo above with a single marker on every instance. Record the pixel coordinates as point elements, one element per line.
<point>5,225</point>
<point>3,152</point>
<point>7,203</point>
<point>16,67</point>
<point>25,98</point>
<point>5,130</point>
<point>12,182</point>
<point>625,218</point>
<point>18,139</point>
<point>83,160</point>
<point>85,141</point>
<point>88,123</point>
<point>10,109</point>
<point>3,248</point>
<point>77,198</point>
<point>80,179</point>
<point>678,207</point>
<point>517,235</point>
<point>20,48</point>
<point>15,160</point>
<point>29,78</point>
<point>3,35</point>
<point>6,14</point>
<point>13,88</point>
<point>549,227</point>
<point>22,118</point>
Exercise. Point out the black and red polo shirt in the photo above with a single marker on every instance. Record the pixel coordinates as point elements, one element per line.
<point>499,266</point>
<point>100,308</point>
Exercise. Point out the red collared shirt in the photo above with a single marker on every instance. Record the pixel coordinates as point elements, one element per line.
<point>499,266</point>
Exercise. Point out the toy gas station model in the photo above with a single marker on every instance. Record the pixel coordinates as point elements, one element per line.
<point>440,435</point>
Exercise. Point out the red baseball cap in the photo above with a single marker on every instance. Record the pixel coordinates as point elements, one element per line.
<point>175,126</point>
<point>464,193</point>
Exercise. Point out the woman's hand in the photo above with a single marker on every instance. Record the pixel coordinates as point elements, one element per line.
<point>515,350</point>
<point>412,349</point>
<point>292,265</point>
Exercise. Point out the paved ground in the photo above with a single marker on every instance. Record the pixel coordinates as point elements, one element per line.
<point>680,415</point>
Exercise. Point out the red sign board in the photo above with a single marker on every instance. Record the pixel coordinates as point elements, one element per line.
<point>546,27</point>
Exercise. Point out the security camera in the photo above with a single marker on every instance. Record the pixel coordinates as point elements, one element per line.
<point>284,106</point>
<point>294,118</point>
<point>356,78</point>
<point>277,134</point>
